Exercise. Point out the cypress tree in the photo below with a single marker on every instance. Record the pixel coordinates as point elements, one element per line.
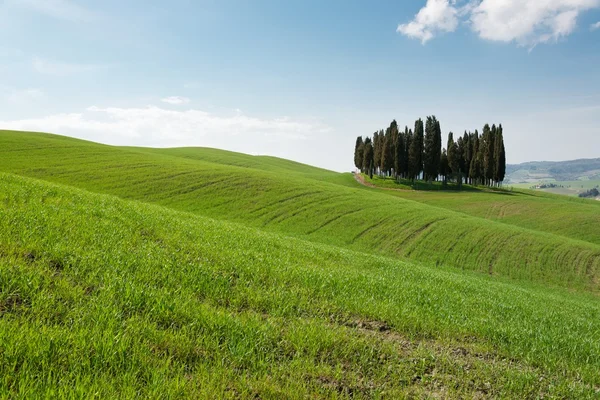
<point>473,167</point>
<point>415,154</point>
<point>432,148</point>
<point>438,146</point>
<point>429,149</point>
<point>491,167</point>
<point>358,153</point>
<point>453,161</point>
<point>399,154</point>
<point>467,155</point>
<point>368,157</point>
<point>394,144</point>
<point>376,150</point>
<point>405,160</point>
<point>388,152</point>
<point>460,155</point>
<point>500,156</point>
<point>380,144</point>
<point>487,154</point>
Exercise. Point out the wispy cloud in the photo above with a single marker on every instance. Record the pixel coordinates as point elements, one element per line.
<point>525,22</point>
<point>61,9</point>
<point>595,26</point>
<point>175,100</point>
<point>437,16</point>
<point>50,67</point>
<point>155,126</point>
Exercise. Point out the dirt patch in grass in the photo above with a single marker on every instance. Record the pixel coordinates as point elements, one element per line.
<point>12,304</point>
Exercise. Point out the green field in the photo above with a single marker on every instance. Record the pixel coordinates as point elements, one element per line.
<point>130,272</point>
<point>568,188</point>
<point>537,210</point>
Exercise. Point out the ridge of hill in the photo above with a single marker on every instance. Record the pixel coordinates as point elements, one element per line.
<point>356,218</point>
<point>126,299</point>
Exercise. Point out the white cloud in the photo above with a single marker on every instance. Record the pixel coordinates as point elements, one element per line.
<point>48,67</point>
<point>61,9</point>
<point>525,22</point>
<point>25,96</point>
<point>528,22</point>
<point>154,126</point>
<point>176,100</point>
<point>437,16</point>
<point>595,26</point>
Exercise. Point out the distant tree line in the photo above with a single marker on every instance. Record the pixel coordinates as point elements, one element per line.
<point>590,193</point>
<point>417,154</point>
<point>547,186</point>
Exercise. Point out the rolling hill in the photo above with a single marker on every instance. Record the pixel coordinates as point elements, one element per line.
<point>132,272</point>
<point>124,299</point>
<point>319,210</point>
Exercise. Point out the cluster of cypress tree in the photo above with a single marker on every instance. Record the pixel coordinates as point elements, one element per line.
<point>418,154</point>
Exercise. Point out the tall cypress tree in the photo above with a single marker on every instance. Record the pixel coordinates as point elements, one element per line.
<point>491,167</point>
<point>399,154</point>
<point>405,156</point>
<point>380,141</point>
<point>376,150</point>
<point>460,155</point>
<point>368,157</point>
<point>500,156</point>
<point>467,155</point>
<point>438,146</point>
<point>429,149</point>
<point>358,153</point>
<point>415,154</point>
<point>432,148</point>
<point>473,167</point>
<point>487,154</point>
<point>388,151</point>
<point>394,143</point>
<point>453,160</point>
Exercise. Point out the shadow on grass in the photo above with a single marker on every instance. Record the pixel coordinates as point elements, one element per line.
<point>436,186</point>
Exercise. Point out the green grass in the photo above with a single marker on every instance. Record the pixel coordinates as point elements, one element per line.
<point>569,188</point>
<point>102,297</point>
<point>571,217</point>
<point>360,218</point>
<point>387,182</point>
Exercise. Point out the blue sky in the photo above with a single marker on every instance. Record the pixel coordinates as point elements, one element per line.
<point>302,79</point>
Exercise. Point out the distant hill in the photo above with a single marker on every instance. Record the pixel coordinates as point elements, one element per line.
<point>536,171</point>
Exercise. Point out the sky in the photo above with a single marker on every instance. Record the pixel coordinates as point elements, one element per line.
<point>302,79</point>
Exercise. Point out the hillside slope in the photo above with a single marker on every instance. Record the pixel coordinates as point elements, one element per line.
<point>363,220</point>
<point>123,299</point>
<point>261,163</point>
<point>561,215</point>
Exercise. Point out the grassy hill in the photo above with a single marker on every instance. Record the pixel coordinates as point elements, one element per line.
<point>297,205</point>
<point>102,297</point>
<point>133,272</point>
<point>571,217</point>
